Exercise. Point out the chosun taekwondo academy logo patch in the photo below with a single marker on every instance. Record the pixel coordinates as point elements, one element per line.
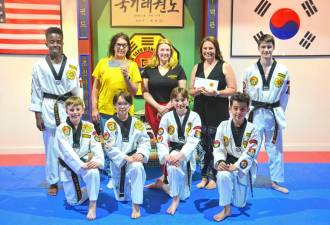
<point>143,47</point>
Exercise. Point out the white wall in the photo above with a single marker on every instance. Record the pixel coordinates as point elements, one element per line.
<point>18,132</point>
<point>308,112</point>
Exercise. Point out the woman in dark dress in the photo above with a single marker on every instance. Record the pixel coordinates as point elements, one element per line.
<point>211,105</point>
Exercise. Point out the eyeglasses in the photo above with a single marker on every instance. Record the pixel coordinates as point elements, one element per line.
<point>118,45</point>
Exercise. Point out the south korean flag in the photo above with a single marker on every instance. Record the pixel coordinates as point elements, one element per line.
<point>300,27</point>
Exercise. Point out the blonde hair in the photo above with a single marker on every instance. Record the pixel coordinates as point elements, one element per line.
<point>154,62</point>
<point>75,101</point>
<point>179,91</point>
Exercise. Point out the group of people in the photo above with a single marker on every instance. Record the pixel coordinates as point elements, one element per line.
<point>216,128</point>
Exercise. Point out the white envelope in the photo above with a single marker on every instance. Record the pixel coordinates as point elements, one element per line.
<point>207,83</point>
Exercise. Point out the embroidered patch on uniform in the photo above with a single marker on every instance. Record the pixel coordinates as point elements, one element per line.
<point>72,67</point>
<point>86,136</point>
<point>172,76</point>
<point>278,82</point>
<point>188,128</point>
<point>96,136</point>
<point>197,128</point>
<point>159,139</point>
<point>170,129</point>
<point>254,80</point>
<point>197,133</point>
<point>238,149</point>
<point>106,136</point>
<point>253,141</point>
<point>71,74</point>
<point>139,125</point>
<point>160,131</point>
<point>216,143</point>
<point>281,75</point>
<point>112,126</point>
<point>66,130</point>
<point>243,164</point>
<point>245,143</point>
<point>251,152</point>
<point>87,128</point>
<point>225,141</point>
<point>248,134</point>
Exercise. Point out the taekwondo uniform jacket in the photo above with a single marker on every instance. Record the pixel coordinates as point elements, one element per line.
<point>224,145</point>
<point>90,148</point>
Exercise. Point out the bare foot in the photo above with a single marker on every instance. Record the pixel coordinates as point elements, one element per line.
<point>53,189</point>
<point>174,205</point>
<point>157,185</point>
<point>91,215</point>
<point>211,185</point>
<point>202,183</point>
<point>223,214</point>
<point>279,188</point>
<point>135,211</point>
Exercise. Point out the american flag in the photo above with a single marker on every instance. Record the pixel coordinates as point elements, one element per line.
<point>23,24</point>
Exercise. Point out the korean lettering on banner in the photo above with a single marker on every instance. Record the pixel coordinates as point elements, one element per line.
<point>155,13</point>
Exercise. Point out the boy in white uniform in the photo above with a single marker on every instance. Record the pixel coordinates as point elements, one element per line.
<point>80,155</point>
<point>54,79</point>
<point>128,146</point>
<point>178,136</point>
<point>235,153</point>
<point>268,84</point>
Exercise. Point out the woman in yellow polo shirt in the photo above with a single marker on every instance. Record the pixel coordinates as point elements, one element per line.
<point>112,74</point>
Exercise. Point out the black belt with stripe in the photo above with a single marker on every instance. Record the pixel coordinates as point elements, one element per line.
<point>270,106</point>
<point>57,98</point>
<point>74,179</point>
<point>122,176</point>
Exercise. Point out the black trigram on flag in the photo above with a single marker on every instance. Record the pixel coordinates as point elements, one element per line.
<point>2,11</point>
<point>258,36</point>
<point>307,40</point>
<point>262,7</point>
<point>309,7</point>
<point>149,41</point>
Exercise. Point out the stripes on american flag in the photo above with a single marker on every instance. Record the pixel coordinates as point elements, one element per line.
<point>23,24</point>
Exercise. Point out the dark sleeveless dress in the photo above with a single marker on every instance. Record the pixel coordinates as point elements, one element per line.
<point>212,111</point>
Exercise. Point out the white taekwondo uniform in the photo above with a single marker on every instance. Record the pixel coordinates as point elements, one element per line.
<point>233,186</point>
<point>269,98</point>
<point>45,82</point>
<point>74,156</point>
<point>170,142</point>
<point>117,147</point>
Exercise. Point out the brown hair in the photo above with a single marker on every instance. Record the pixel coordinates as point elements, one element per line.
<point>179,91</point>
<point>266,38</point>
<point>215,42</point>
<point>114,39</point>
<point>123,94</point>
<point>75,101</point>
<point>240,97</point>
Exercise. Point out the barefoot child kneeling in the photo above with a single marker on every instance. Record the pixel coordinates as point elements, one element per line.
<point>128,146</point>
<point>178,136</point>
<point>235,152</point>
<point>80,155</point>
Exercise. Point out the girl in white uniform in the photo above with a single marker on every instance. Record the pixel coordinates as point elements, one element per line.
<point>128,146</point>
<point>178,136</point>
<point>80,155</point>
